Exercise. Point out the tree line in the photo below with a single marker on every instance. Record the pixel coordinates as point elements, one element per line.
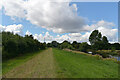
<point>97,42</point>
<point>14,45</point>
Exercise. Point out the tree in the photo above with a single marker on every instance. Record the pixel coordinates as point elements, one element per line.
<point>95,36</point>
<point>84,47</point>
<point>22,46</point>
<point>14,44</point>
<point>105,40</point>
<point>97,41</point>
<point>42,46</point>
<point>11,46</point>
<point>98,45</point>
<point>49,45</point>
<point>65,44</point>
<point>54,44</point>
<point>99,36</point>
<point>75,45</point>
<point>115,45</point>
<point>101,44</point>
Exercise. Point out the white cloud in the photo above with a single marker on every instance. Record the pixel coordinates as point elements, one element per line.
<point>70,37</point>
<point>62,38</point>
<point>75,7</point>
<point>100,23</point>
<point>47,37</point>
<point>16,29</point>
<point>85,37</point>
<point>2,28</point>
<point>110,33</point>
<point>106,28</point>
<point>28,33</point>
<point>14,8</point>
<point>39,37</point>
<point>75,34</point>
<point>56,16</point>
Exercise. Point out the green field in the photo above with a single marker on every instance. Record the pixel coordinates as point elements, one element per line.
<point>82,66</point>
<point>55,63</point>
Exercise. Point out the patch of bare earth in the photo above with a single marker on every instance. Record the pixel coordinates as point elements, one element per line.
<point>40,66</point>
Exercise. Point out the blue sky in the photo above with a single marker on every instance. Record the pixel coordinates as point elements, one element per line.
<point>107,11</point>
<point>92,12</point>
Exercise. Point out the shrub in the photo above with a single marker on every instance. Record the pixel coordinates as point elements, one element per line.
<point>103,54</point>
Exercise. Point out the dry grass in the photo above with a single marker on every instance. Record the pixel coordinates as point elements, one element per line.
<point>97,55</point>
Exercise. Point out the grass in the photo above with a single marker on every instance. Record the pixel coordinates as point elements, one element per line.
<point>72,65</point>
<point>12,63</point>
<point>40,66</point>
<point>55,63</point>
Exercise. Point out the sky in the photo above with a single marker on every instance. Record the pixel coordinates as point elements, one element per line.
<point>72,21</point>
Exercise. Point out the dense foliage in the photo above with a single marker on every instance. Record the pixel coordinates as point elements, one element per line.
<point>95,37</point>
<point>14,45</point>
<point>97,41</point>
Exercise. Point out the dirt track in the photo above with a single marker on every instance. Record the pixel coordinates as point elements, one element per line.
<point>41,66</point>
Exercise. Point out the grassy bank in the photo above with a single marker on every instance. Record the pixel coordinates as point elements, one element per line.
<point>72,65</point>
<point>12,63</point>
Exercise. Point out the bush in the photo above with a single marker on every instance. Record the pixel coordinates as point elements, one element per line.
<point>103,54</point>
